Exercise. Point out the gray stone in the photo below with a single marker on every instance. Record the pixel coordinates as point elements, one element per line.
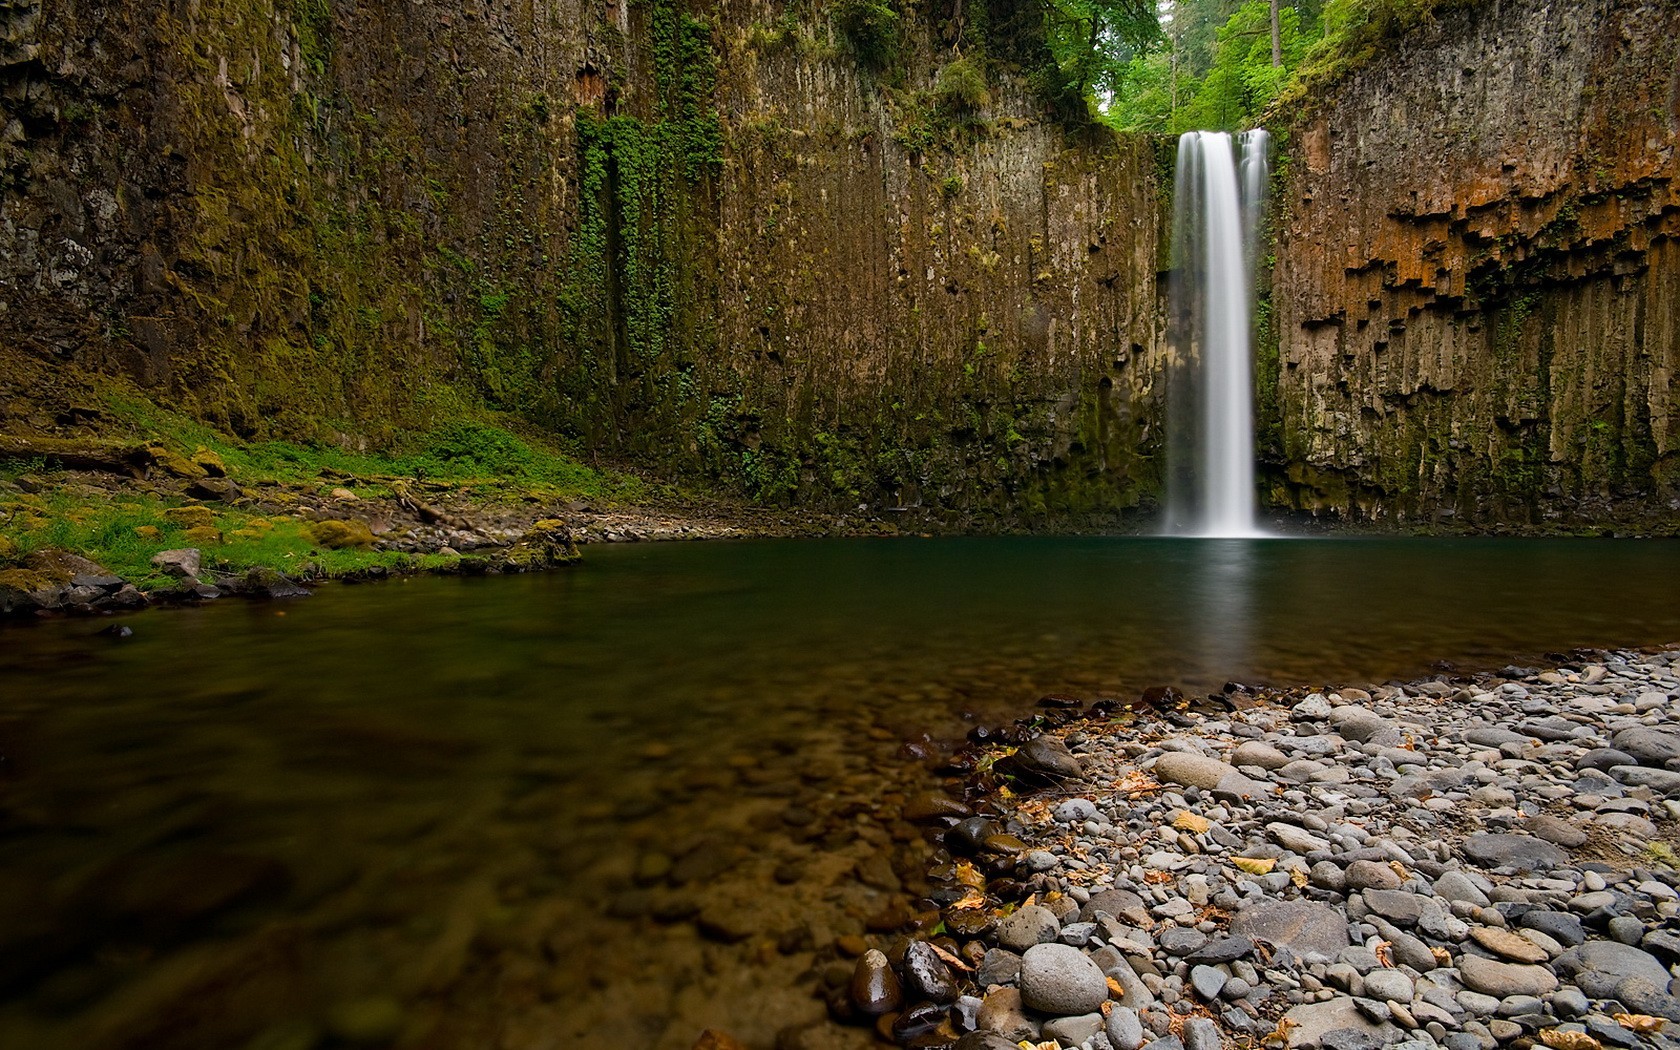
<point>1652,745</point>
<point>1640,996</point>
<point>1522,852</point>
<point>1398,905</point>
<point>1182,940</point>
<point>1301,926</point>
<point>1384,985</point>
<point>1491,977</point>
<point>1061,980</point>
<point>1568,1001</point>
<point>1075,810</point>
<point>1124,1029</point>
<point>1493,736</point>
<point>1371,875</point>
<point>1597,967</point>
<point>998,967</point>
<point>1200,1033</point>
<point>1312,1023</point>
<point>1221,950</point>
<point>1208,981</point>
<point>1312,708</point>
<point>1298,840</point>
<point>1256,753</point>
<point>985,1041</point>
<point>1192,770</point>
<point>184,562</point>
<point>1001,1012</point>
<point>1562,927</point>
<point>1122,904</point>
<point>1605,758</point>
<point>1555,830</point>
<point>1034,924</point>
<point>1072,1031</point>
<point>1665,781</point>
<point>1457,886</point>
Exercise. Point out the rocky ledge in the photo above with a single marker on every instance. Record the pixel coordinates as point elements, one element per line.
<point>1463,864</point>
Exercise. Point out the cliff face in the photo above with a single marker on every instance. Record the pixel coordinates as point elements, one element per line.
<point>702,237</point>
<point>1477,287</point>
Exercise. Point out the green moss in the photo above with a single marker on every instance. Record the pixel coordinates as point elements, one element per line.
<point>871,29</point>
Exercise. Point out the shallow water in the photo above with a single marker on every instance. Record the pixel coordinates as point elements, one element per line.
<point>613,805</point>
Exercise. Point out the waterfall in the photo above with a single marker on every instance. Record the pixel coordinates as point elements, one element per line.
<point>1217,204</point>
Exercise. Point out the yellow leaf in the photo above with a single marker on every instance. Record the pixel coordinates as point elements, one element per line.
<point>1188,821</point>
<point>971,900</point>
<point>1298,877</point>
<point>1115,990</point>
<point>1254,865</point>
<point>1639,1022</point>
<point>1558,1039</point>
<point>968,875</point>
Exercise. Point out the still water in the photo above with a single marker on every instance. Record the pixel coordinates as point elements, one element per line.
<point>614,805</point>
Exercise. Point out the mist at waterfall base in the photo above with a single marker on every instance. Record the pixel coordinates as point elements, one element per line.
<point>1217,204</point>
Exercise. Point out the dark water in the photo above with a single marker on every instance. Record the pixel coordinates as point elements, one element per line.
<point>614,805</point>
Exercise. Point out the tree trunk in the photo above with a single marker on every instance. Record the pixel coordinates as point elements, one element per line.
<point>1277,43</point>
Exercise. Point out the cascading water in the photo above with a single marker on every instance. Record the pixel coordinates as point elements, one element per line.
<point>1216,221</point>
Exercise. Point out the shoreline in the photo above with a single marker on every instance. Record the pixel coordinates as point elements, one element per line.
<point>276,540</point>
<point>1460,861</point>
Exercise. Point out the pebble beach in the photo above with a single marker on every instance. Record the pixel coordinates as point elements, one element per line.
<point>1456,862</point>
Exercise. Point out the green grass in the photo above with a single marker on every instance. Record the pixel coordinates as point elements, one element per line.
<point>476,456</point>
<point>106,527</point>
<point>471,456</point>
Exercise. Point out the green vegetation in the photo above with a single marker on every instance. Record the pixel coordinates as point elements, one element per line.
<point>871,28</point>
<point>1223,65</point>
<point>122,531</point>
<point>473,456</point>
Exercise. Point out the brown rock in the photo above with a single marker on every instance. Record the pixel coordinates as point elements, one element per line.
<point>875,988</point>
<point>1507,944</point>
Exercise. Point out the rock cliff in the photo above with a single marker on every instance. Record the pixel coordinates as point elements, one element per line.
<point>709,238</point>
<point>1477,287</point>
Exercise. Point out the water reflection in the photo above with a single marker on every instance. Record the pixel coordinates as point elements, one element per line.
<point>616,805</point>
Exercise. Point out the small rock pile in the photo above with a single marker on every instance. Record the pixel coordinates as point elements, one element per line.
<point>1441,864</point>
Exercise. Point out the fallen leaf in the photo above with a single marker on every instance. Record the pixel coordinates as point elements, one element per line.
<point>968,875</point>
<point>971,900</point>
<point>1558,1039</point>
<point>1254,865</point>
<point>1641,1023</point>
<point>1298,877</point>
<point>1188,821</point>
<point>949,957</point>
<point>1115,990</point>
<point>1400,870</point>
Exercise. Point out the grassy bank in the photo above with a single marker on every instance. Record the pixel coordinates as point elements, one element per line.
<point>306,510</point>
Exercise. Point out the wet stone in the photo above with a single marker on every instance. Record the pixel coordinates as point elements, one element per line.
<point>927,975</point>
<point>875,989</point>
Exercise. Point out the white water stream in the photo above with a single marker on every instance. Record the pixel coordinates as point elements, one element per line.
<point>1216,218</point>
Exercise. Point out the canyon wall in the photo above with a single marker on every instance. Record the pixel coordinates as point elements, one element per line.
<point>1476,298</point>
<point>773,248</point>
<point>706,238</point>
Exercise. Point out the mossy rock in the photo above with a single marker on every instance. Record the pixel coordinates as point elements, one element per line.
<point>191,517</point>
<point>8,549</point>
<point>148,532</point>
<point>24,581</point>
<point>210,463</point>
<point>204,536</point>
<point>174,463</point>
<point>59,565</point>
<point>337,534</point>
